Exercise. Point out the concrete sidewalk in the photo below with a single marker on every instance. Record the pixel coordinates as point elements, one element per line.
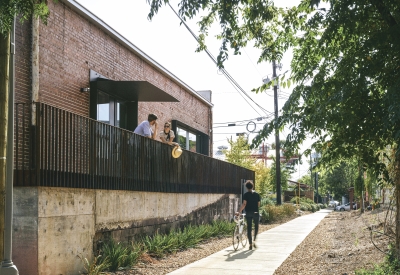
<point>273,247</point>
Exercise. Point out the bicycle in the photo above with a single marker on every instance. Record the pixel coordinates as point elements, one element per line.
<point>240,231</point>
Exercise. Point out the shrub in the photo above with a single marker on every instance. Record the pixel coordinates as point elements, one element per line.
<point>274,212</point>
<point>288,209</point>
<point>264,216</point>
<point>96,266</point>
<point>391,265</point>
<point>266,201</point>
<point>303,207</point>
<point>295,199</point>
<point>114,256</point>
<point>117,254</point>
<point>313,207</point>
<point>159,245</point>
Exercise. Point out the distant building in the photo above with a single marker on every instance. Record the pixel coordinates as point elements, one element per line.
<point>219,154</point>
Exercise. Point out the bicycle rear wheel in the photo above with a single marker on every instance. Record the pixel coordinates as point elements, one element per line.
<point>236,238</point>
<point>244,235</point>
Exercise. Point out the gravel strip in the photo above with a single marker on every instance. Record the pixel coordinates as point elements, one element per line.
<point>340,244</point>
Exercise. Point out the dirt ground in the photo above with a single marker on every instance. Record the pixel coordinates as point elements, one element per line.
<point>340,244</point>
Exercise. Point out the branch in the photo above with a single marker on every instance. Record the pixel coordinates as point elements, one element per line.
<point>384,11</point>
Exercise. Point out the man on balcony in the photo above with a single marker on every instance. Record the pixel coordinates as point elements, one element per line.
<point>145,129</point>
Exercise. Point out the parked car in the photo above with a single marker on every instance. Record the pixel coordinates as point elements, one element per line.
<point>333,204</point>
<point>346,207</point>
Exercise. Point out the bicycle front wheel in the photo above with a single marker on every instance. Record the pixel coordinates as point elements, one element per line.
<point>236,238</point>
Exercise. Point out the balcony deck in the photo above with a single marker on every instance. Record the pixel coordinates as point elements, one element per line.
<point>68,150</point>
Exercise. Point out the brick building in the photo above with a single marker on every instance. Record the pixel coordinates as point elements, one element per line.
<point>79,64</point>
<point>81,89</point>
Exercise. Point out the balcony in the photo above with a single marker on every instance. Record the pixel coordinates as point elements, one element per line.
<point>68,150</point>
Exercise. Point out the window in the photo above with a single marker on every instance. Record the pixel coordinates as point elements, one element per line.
<point>190,138</point>
<point>192,142</point>
<point>186,139</point>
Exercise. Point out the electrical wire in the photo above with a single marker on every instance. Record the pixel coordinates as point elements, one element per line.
<point>223,126</point>
<point>241,120</point>
<point>252,62</point>
<point>227,75</point>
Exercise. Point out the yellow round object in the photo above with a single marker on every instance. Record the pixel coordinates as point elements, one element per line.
<point>176,152</point>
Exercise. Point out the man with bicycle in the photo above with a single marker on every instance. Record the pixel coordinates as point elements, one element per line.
<point>251,203</point>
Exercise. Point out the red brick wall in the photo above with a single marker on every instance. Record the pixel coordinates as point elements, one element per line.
<point>23,38</point>
<point>70,46</point>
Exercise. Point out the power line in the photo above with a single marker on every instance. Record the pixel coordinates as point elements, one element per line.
<point>227,75</point>
<point>255,67</point>
<point>222,126</point>
<point>243,120</point>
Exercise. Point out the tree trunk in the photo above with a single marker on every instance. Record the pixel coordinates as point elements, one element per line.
<point>397,198</point>
<point>4,87</point>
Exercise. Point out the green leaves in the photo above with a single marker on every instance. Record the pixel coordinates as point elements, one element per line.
<point>239,153</point>
<point>345,68</point>
<point>22,9</point>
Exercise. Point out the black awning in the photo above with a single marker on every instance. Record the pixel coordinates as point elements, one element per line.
<point>134,90</point>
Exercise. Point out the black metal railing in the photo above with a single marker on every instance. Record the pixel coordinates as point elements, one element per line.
<point>68,150</point>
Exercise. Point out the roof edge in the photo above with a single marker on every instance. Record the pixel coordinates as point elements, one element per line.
<point>81,10</point>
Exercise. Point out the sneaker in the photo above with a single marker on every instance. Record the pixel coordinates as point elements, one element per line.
<point>250,247</point>
<point>254,244</point>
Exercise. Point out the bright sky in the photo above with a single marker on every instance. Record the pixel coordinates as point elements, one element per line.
<point>172,46</point>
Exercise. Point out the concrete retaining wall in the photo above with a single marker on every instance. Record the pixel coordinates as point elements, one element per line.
<point>53,226</point>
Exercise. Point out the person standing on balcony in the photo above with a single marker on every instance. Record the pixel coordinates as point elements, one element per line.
<point>145,129</point>
<point>251,203</point>
<point>167,135</point>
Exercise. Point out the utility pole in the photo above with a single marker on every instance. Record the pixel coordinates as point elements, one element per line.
<point>277,144</point>
<point>4,89</point>
<point>311,178</point>
<point>316,185</point>
<point>7,266</point>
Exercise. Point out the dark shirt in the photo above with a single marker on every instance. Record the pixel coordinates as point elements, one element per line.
<point>252,199</point>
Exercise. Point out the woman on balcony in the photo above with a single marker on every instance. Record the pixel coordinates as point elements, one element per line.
<point>167,135</point>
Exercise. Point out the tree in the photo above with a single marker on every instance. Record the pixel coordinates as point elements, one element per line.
<point>285,176</point>
<point>263,181</point>
<point>345,67</point>
<point>8,10</point>
<point>306,179</point>
<point>339,179</point>
<point>23,9</point>
<point>240,154</point>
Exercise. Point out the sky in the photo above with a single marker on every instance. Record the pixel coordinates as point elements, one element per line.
<point>173,46</point>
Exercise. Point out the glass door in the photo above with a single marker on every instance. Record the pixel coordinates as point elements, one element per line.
<point>111,110</point>
<point>103,107</point>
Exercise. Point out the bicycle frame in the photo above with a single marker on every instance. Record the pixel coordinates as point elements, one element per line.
<point>238,234</point>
